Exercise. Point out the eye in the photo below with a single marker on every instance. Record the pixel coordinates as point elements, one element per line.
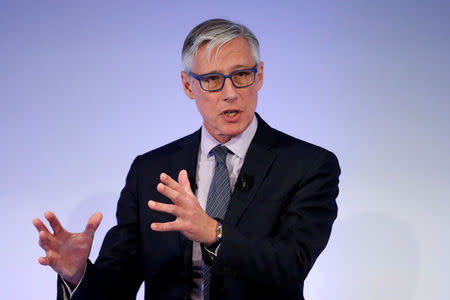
<point>210,78</point>
<point>213,78</point>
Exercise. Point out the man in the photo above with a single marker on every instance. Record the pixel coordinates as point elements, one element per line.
<point>236,210</point>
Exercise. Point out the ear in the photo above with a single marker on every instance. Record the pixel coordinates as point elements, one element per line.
<point>260,75</point>
<point>187,84</point>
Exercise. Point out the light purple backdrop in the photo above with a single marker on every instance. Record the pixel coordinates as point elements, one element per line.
<point>85,86</point>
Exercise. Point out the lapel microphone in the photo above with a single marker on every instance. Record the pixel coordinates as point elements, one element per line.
<point>244,182</point>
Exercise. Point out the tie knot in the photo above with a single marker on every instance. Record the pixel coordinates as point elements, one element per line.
<point>220,153</point>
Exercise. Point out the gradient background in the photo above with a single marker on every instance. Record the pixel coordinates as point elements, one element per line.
<point>85,86</point>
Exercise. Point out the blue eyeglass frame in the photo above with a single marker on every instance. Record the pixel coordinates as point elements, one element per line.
<point>199,78</point>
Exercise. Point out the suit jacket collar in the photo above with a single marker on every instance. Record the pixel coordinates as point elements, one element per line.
<point>186,158</point>
<point>186,155</point>
<point>257,163</point>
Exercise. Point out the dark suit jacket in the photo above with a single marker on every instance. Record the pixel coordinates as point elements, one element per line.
<point>272,232</point>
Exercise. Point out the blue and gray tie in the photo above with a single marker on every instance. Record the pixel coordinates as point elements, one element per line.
<point>218,198</point>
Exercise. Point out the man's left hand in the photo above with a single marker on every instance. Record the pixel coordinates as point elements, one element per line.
<point>192,221</point>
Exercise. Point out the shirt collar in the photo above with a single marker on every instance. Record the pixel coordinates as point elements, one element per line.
<point>238,144</point>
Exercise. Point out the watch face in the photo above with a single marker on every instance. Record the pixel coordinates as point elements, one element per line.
<point>219,230</point>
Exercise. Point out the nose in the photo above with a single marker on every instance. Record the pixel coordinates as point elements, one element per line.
<point>228,90</point>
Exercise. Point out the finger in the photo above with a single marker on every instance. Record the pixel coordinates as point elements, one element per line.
<point>44,240</point>
<point>168,226</point>
<point>170,182</point>
<point>183,179</point>
<point>168,192</point>
<point>163,207</point>
<point>54,222</point>
<point>40,225</point>
<point>93,223</point>
<point>44,261</point>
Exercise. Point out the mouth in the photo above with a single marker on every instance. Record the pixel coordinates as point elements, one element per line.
<point>230,113</point>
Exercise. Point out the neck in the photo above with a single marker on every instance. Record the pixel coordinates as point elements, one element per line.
<point>222,138</point>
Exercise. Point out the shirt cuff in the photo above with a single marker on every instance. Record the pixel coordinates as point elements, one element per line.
<point>71,292</point>
<point>211,252</point>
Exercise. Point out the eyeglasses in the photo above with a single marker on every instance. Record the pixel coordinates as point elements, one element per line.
<point>213,82</point>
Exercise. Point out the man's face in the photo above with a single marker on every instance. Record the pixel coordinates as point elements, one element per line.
<point>228,112</point>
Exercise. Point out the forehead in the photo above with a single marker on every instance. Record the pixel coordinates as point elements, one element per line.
<point>223,58</point>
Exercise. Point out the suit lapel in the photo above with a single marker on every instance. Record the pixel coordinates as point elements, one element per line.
<point>186,158</point>
<point>257,163</point>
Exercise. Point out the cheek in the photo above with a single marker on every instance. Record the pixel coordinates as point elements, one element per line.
<point>252,99</point>
<point>206,107</point>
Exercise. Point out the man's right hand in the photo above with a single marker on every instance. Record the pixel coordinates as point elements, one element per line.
<point>67,253</point>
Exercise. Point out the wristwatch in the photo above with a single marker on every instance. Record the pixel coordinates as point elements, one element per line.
<point>219,230</point>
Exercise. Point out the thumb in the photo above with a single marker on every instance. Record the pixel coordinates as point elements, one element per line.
<point>183,179</point>
<point>93,223</point>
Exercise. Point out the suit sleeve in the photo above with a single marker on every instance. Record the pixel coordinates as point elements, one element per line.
<point>116,273</point>
<point>284,258</point>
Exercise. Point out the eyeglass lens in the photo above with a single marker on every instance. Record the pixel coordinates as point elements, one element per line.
<point>215,81</point>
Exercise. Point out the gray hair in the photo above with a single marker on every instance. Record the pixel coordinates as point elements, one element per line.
<point>215,32</point>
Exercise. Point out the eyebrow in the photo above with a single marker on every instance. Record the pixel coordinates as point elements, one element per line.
<point>235,68</point>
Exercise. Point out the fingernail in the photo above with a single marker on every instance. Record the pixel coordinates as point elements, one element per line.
<point>163,176</point>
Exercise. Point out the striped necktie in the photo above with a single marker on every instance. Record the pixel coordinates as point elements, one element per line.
<point>218,198</point>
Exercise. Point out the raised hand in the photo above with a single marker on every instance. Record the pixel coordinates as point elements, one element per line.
<point>192,220</point>
<point>67,253</point>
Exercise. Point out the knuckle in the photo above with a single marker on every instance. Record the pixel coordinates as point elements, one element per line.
<point>51,258</point>
<point>189,214</point>
<point>173,209</point>
<point>43,242</point>
<point>188,226</point>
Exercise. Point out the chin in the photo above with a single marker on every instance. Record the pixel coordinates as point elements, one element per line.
<point>232,132</point>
